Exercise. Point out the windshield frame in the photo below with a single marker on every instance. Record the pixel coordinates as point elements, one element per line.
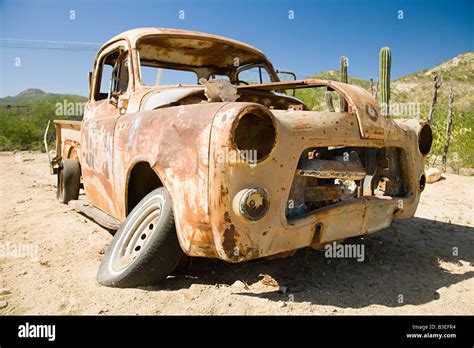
<point>204,71</point>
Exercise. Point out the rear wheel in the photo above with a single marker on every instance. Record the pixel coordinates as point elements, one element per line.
<point>145,250</point>
<point>69,181</point>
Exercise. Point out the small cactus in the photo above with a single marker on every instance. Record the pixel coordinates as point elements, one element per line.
<point>329,104</point>
<point>385,64</point>
<point>343,78</point>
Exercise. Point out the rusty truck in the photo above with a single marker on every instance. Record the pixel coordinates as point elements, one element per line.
<point>191,144</point>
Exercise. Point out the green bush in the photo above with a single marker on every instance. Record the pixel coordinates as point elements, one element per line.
<point>24,130</point>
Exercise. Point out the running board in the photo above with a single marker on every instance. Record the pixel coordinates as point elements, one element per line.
<point>95,214</point>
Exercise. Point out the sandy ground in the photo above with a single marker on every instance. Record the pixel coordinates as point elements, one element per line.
<point>49,257</point>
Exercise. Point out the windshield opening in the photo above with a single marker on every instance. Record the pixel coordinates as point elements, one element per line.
<point>159,76</point>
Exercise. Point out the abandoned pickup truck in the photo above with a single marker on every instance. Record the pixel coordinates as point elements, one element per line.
<point>191,144</point>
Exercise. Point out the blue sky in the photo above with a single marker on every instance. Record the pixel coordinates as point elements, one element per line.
<point>321,31</point>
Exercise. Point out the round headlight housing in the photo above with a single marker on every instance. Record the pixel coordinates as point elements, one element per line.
<point>425,138</point>
<point>254,134</point>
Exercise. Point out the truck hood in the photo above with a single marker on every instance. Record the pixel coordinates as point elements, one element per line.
<point>372,124</point>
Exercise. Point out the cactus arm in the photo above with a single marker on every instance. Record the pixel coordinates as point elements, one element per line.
<point>343,78</point>
<point>385,65</point>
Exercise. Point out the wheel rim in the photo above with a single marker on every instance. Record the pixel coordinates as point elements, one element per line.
<point>139,228</point>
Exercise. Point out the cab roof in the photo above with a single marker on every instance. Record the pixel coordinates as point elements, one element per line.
<point>190,48</point>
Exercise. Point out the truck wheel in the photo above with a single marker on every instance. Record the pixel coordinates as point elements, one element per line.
<point>69,181</point>
<point>145,249</point>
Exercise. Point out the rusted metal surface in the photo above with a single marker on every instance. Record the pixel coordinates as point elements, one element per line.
<point>177,44</point>
<point>67,135</point>
<point>175,142</point>
<point>349,168</point>
<point>182,137</point>
<point>238,240</point>
<point>371,123</point>
<point>322,193</point>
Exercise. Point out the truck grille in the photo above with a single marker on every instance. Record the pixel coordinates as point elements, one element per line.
<point>330,175</point>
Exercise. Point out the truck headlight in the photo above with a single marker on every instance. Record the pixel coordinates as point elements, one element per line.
<point>425,138</point>
<point>254,134</point>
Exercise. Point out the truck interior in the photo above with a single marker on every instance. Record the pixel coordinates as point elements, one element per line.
<point>113,74</point>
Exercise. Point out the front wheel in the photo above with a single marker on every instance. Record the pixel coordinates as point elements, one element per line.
<point>145,249</point>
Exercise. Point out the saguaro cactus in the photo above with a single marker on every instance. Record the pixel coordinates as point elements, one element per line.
<point>343,78</point>
<point>329,104</point>
<point>385,64</point>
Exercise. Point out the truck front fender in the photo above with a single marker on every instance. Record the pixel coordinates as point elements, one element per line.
<point>174,141</point>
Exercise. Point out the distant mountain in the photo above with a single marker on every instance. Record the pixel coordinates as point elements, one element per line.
<point>30,95</point>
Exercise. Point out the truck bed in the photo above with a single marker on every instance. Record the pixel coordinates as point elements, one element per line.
<point>68,137</point>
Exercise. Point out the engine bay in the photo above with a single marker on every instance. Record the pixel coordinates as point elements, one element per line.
<point>330,175</point>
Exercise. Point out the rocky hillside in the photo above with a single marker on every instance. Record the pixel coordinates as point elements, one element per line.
<point>459,70</point>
